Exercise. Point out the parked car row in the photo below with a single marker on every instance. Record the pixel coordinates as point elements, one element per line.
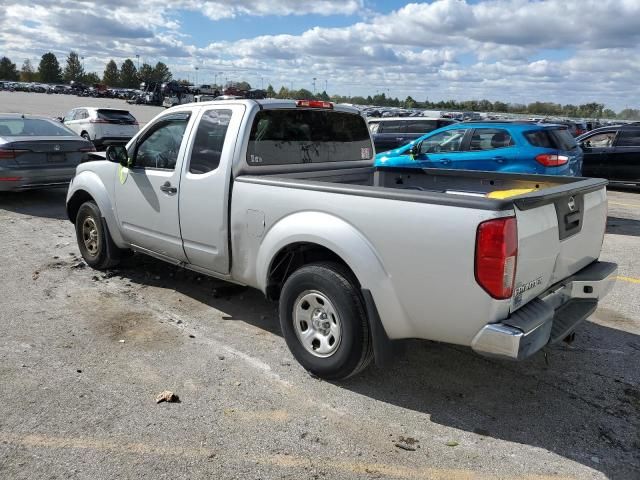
<point>75,88</point>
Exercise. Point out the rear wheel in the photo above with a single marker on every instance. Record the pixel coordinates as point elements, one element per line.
<point>323,321</point>
<point>94,241</point>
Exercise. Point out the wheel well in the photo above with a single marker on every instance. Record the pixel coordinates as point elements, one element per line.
<point>74,203</point>
<point>294,256</point>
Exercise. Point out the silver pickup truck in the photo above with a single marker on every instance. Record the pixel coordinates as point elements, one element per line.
<point>282,196</point>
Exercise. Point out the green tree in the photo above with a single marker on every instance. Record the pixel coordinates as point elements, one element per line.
<point>608,113</point>
<point>111,76</point>
<point>500,107</point>
<point>91,78</point>
<point>302,94</point>
<point>324,96</point>
<point>146,73</point>
<point>629,114</point>
<point>129,75</point>
<point>8,70</point>
<point>161,73</point>
<point>271,93</point>
<point>27,73</point>
<point>284,93</point>
<point>49,70</point>
<point>73,71</point>
<point>243,86</point>
<point>409,102</point>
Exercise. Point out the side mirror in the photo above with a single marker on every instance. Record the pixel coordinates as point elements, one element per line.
<point>414,151</point>
<point>60,119</point>
<point>118,154</point>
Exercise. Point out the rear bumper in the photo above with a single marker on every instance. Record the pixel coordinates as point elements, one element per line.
<point>549,318</point>
<point>16,179</point>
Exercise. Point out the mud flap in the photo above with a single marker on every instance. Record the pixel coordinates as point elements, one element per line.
<point>385,350</point>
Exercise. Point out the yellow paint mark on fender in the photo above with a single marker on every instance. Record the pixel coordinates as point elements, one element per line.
<point>123,173</point>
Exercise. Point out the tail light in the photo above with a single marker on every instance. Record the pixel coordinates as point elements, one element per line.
<point>551,160</point>
<point>314,104</point>
<point>98,120</point>
<point>88,149</point>
<point>10,153</point>
<point>496,255</point>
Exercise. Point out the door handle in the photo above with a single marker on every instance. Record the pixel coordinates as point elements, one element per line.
<point>445,161</point>
<point>167,188</point>
<point>499,159</point>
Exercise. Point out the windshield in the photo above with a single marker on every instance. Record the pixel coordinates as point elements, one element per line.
<point>16,127</point>
<point>280,137</point>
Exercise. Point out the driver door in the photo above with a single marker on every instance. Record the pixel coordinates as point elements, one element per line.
<point>442,150</point>
<point>147,193</point>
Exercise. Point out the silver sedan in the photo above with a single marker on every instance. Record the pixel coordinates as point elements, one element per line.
<point>38,152</point>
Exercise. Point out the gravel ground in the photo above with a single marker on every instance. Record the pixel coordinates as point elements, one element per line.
<point>83,355</point>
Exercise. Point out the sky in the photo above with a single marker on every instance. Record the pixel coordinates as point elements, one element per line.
<point>564,51</point>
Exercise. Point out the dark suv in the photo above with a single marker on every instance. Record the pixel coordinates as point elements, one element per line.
<point>389,133</point>
<point>613,153</point>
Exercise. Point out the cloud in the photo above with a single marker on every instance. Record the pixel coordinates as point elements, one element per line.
<point>520,50</point>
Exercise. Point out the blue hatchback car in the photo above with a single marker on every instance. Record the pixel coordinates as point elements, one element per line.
<point>515,147</point>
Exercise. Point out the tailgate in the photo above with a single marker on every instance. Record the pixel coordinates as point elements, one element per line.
<point>560,231</point>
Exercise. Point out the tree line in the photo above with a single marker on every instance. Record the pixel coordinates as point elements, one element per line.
<point>50,71</point>
<point>128,76</point>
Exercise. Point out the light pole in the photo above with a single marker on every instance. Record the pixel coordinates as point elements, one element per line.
<point>196,76</point>
<point>314,85</point>
<point>138,60</point>
<point>82,58</point>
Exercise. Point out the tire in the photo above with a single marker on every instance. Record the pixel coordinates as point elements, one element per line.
<point>94,241</point>
<point>320,302</point>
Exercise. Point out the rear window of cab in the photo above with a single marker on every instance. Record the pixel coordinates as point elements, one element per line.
<point>296,136</point>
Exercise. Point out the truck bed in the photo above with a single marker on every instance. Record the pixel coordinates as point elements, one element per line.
<point>465,188</point>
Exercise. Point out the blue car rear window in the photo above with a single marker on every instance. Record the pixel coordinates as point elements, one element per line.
<point>556,138</point>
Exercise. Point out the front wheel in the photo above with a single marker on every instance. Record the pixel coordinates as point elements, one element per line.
<point>323,321</point>
<point>95,243</point>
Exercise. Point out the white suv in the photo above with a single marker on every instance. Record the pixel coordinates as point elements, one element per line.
<point>102,126</point>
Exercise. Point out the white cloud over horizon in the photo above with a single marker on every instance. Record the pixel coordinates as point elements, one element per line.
<point>566,51</point>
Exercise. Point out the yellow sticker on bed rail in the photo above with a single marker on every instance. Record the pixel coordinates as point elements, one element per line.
<point>502,194</point>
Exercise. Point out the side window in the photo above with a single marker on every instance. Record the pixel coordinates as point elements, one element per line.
<point>448,141</point>
<point>373,127</point>
<point>424,126</point>
<point>489,139</point>
<point>391,127</point>
<point>81,114</point>
<point>629,138</point>
<point>160,147</point>
<point>209,141</point>
<point>601,140</point>
<point>68,116</point>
